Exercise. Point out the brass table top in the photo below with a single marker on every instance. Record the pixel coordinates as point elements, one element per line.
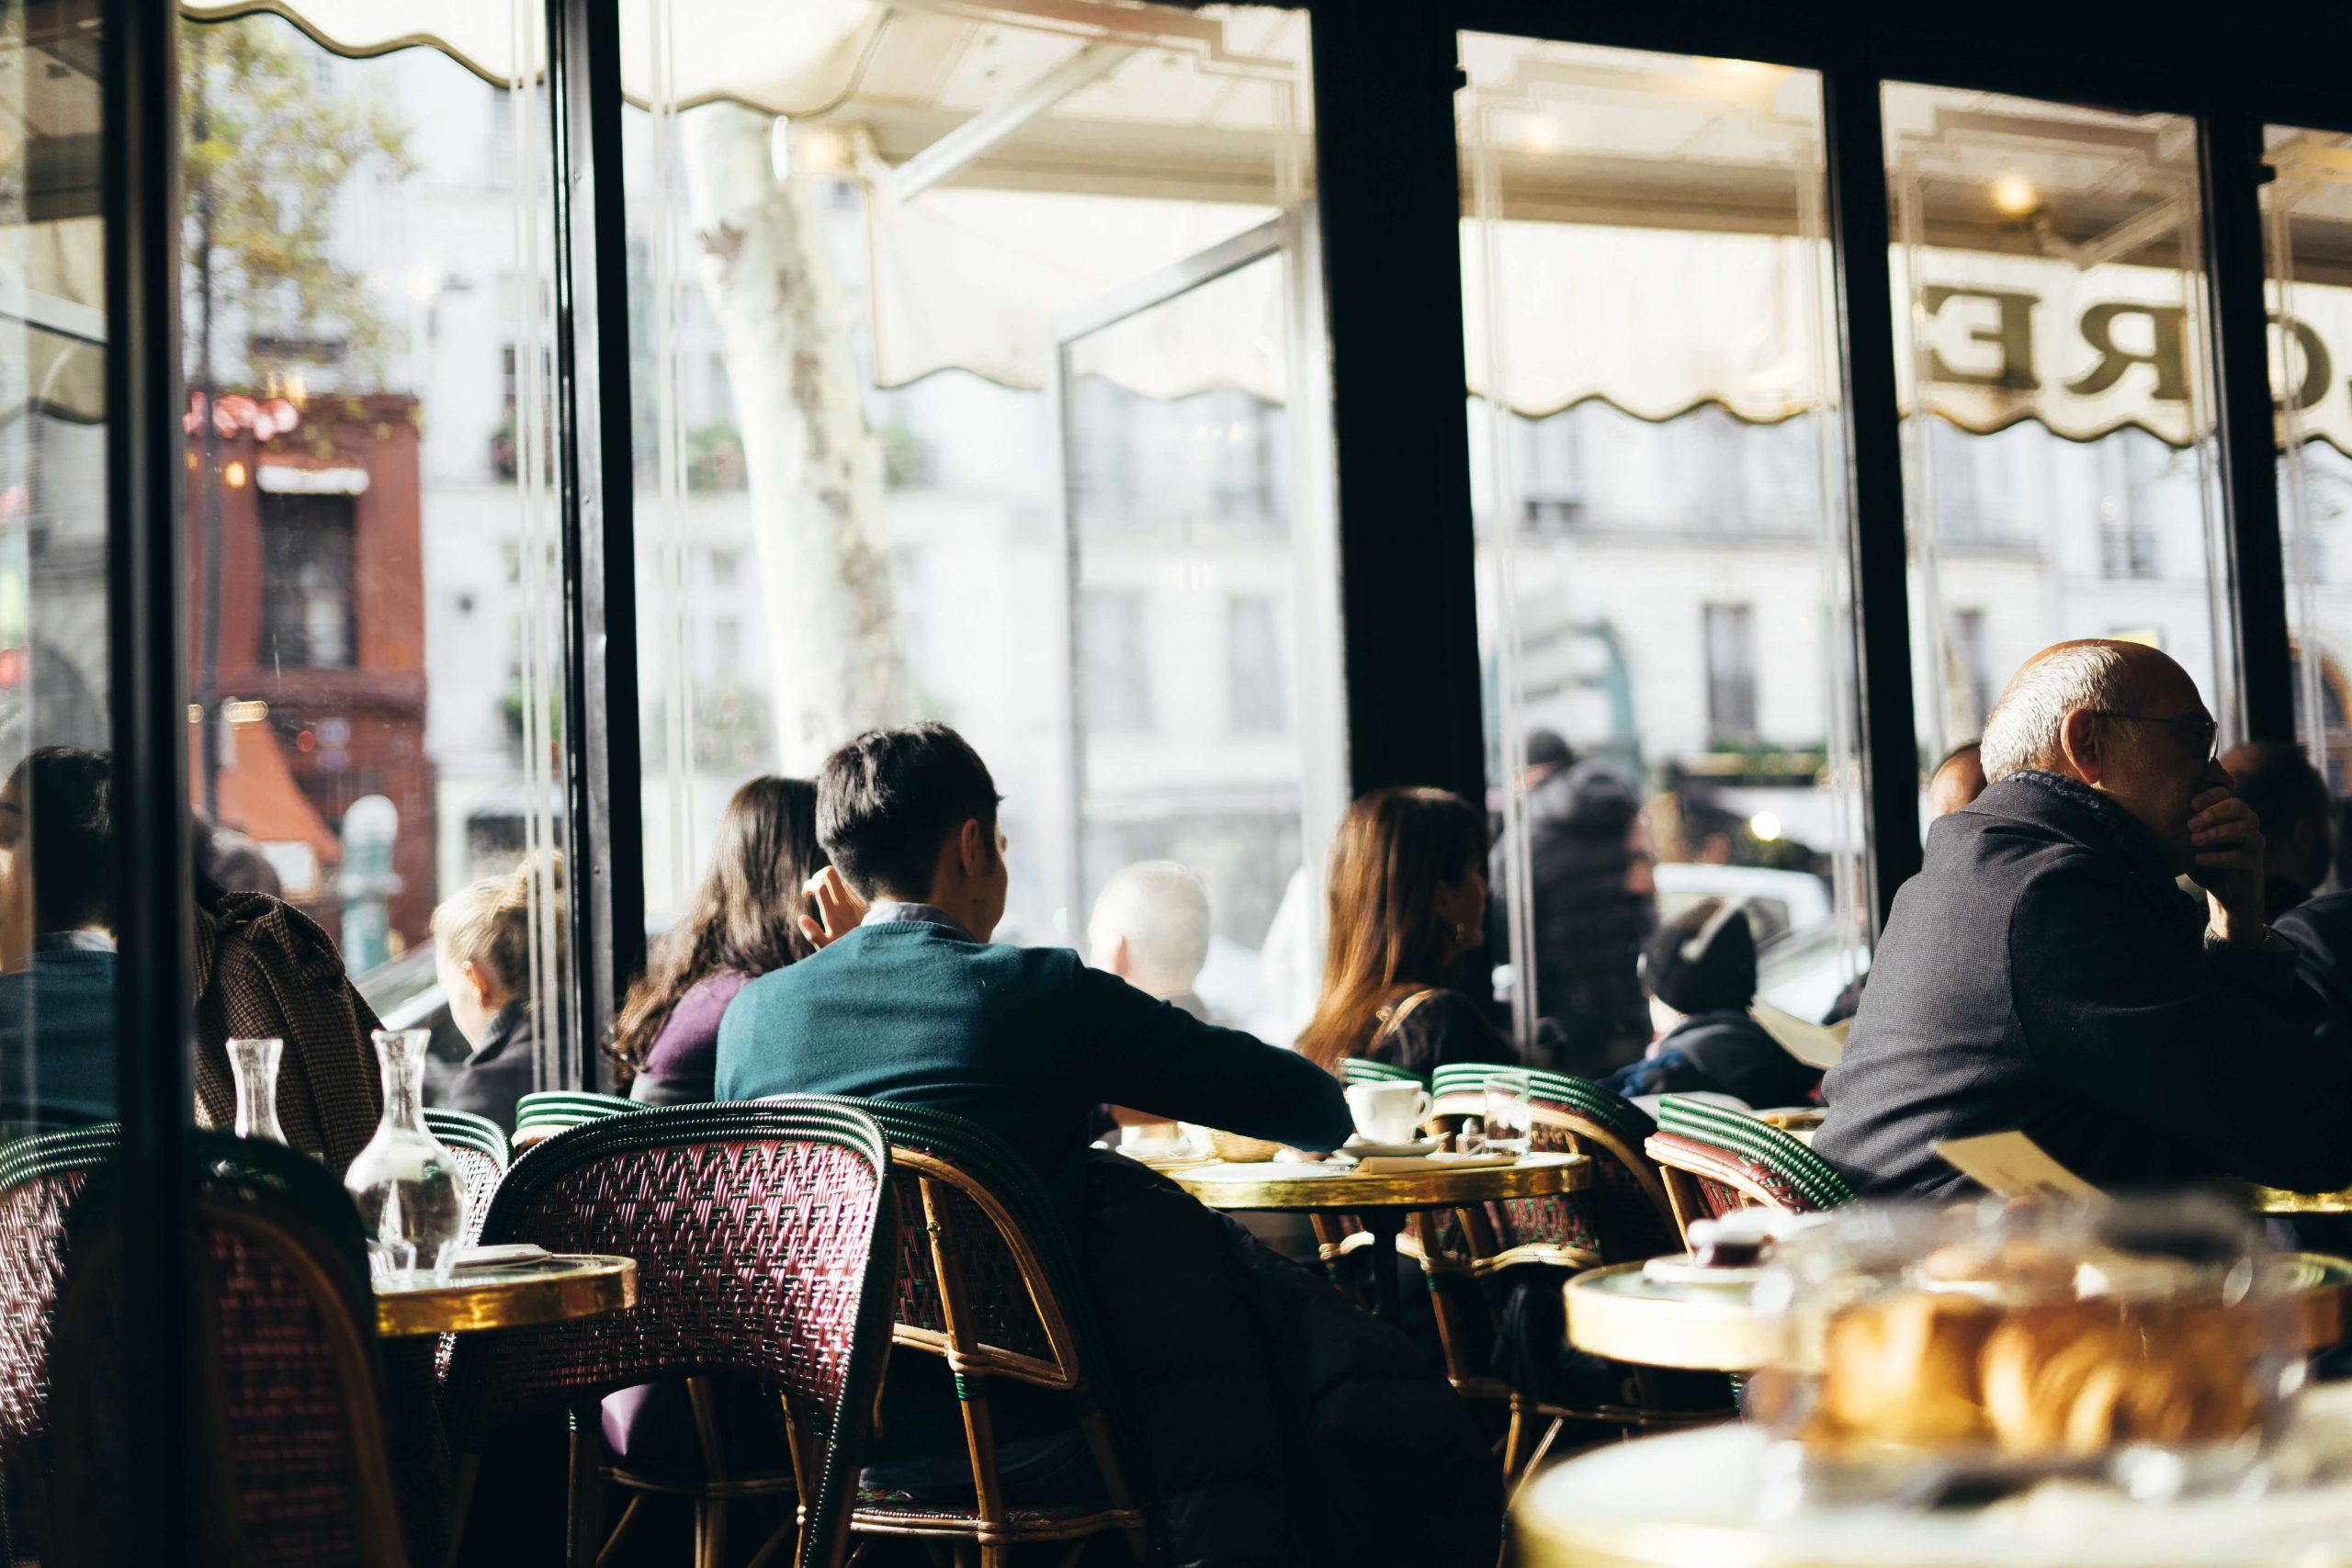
<point>1302,1186</point>
<point>1619,1312</point>
<point>2278,1201</point>
<point>564,1287</point>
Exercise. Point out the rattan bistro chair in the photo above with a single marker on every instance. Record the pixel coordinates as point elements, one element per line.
<point>989,1281</point>
<point>763,1240</point>
<point>1716,1159</point>
<point>1624,1217</point>
<point>42,1177</point>
<point>483,1155</point>
<point>292,1468</point>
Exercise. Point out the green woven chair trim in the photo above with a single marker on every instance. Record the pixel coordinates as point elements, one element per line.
<point>464,1126</point>
<point>1355,1069</point>
<point>1703,1122</point>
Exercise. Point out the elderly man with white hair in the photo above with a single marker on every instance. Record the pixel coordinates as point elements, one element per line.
<point>1150,928</point>
<point>2044,972</point>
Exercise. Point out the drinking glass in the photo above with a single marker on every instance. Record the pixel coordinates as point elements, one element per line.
<point>254,1064</point>
<point>1511,1112</point>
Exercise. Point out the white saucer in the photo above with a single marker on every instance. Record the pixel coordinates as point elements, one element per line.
<point>1364,1148</point>
<point>1680,1270</point>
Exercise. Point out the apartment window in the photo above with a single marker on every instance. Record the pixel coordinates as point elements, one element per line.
<point>1256,699</point>
<point>1968,650</point>
<point>727,635</point>
<point>725,567</point>
<point>1731,673</point>
<point>1551,484</point>
<point>307,608</point>
<point>1115,668</point>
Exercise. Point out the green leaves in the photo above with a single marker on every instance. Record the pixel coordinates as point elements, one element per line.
<point>269,141</point>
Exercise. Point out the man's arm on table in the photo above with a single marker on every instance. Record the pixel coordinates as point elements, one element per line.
<point>1157,1057</point>
<point>2221,1055</point>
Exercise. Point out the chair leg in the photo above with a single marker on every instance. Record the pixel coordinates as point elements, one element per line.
<point>776,1540</point>
<point>620,1528</point>
<point>1535,1459</point>
<point>1515,1439</point>
<point>710,1532</point>
<point>585,1503</point>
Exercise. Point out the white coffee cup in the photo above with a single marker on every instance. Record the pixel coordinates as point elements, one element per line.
<point>1388,1112</point>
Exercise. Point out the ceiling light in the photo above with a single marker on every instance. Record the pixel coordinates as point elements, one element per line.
<point>2014,195</point>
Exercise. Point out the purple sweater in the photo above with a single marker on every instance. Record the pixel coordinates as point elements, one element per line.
<point>682,1066</point>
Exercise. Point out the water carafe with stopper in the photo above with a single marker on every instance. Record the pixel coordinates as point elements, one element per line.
<point>412,1201</point>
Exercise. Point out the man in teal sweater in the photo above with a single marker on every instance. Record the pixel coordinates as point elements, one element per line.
<point>915,1004</point>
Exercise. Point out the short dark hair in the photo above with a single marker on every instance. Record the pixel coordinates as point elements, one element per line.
<point>887,802</point>
<point>66,795</point>
<point>2279,784</point>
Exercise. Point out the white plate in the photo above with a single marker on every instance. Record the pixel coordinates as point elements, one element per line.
<point>511,1256</point>
<point>1680,1270</point>
<point>1365,1148</point>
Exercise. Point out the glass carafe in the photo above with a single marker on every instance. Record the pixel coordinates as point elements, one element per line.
<point>412,1201</point>
<point>254,1064</point>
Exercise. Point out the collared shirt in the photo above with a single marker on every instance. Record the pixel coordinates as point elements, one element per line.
<point>74,941</point>
<point>882,910</point>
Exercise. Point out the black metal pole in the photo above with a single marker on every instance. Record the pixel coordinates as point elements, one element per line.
<point>146,556</point>
<point>1389,186</point>
<point>595,471</point>
<point>1858,234</point>
<point>2230,160</point>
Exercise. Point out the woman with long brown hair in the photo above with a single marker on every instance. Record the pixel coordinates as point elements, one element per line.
<point>745,921</point>
<point>1408,893</point>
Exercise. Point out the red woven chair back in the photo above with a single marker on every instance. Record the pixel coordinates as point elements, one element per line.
<point>761,1240</point>
<point>40,1179</point>
<point>1704,1180</point>
<point>292,1469</point>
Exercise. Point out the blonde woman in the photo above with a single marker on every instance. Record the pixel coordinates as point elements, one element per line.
<point>481,950</point>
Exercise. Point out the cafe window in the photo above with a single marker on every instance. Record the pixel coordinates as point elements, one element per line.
<point>2054,368</point>
<point>374,590</point>
<point>1730,632</point>
<point>307,612</point>
<point>1064,421</point>
<point>2307,209</point>
<point>1658,467</point>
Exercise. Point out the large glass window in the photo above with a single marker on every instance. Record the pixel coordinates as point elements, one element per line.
<point>1664,580</point>
<point>58,922</point>
<point>373,587</point>
<point>2308,210</point>
<point>2053,355</point>
<point>983,357</point>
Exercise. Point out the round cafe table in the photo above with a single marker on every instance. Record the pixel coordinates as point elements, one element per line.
<point>566,1286</point>
<point>1383,1199</point>
<point>1620,1312</point>
<point>1709,1499</point>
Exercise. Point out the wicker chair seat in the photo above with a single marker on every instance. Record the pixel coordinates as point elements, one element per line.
<point>883,1511</point>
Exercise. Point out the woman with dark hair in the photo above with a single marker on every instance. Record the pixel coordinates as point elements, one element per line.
<point>744,922</point>
<point>1408,898</point>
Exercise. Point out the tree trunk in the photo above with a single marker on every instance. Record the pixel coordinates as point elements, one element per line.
<point>813,471</point>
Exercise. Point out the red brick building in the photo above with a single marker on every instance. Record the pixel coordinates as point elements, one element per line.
<point>320,617</point>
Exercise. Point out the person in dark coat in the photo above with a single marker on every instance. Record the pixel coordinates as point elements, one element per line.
<point>2044,973</point>
<point>2287,797</point>
<point>1589,917</point>
<point>1700,971</point>
<point>481,941</point>
<point>1958,779</point>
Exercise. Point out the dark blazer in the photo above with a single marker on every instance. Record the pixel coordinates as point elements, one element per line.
<point>1025,1041</point>
<point>1440,1029</point>
<point>2044,972</point>
<point>2320,930</point>
<point>503,1068</point>
<point>1723,1053</point>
